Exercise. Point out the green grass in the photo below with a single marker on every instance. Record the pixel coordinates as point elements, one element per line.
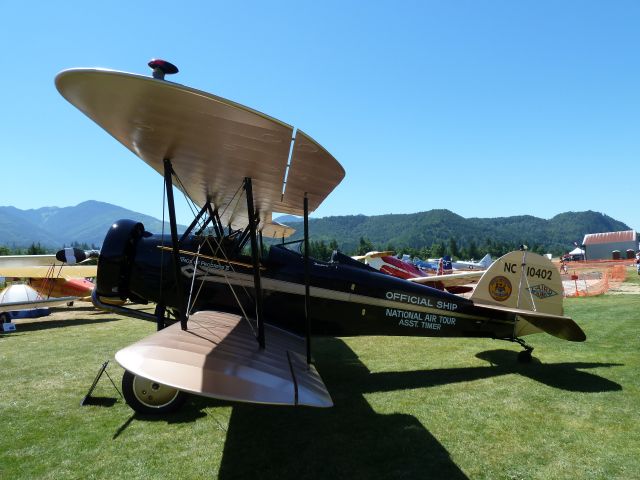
<point>405,408</point>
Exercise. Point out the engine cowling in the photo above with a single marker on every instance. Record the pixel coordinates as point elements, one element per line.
<point>116,258</point>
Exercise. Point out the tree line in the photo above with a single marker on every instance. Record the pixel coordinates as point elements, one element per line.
<point>322,250</point>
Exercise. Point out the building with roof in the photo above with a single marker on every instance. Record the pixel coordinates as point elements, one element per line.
<point>610,245</point>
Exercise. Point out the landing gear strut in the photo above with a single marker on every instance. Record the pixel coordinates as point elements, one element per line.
<point>525,355</point>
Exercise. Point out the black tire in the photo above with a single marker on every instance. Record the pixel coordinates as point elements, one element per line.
<point>150,398</point>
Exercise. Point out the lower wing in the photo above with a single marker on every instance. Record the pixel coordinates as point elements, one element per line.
<point>51,302</point>
<point>219,357</point>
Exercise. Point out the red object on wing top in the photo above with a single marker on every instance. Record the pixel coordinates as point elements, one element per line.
<point>167,67</point>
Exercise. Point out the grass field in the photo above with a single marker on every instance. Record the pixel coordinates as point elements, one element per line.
<point>404,408</point>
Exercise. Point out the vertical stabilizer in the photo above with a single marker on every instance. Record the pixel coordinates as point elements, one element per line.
<point>522,280</point>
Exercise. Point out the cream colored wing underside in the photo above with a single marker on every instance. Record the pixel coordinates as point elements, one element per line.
<point>213,143</point>
<point>219,356</point>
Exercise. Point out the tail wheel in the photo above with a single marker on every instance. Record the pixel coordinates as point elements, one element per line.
<point>149,397</point>
<point>525,356</point>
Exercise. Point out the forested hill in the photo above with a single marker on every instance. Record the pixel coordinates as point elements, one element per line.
<point>431,233</point>
<point>436,228</point>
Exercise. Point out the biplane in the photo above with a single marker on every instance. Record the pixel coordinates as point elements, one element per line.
<point>58,279</point>
<point>236,321</point>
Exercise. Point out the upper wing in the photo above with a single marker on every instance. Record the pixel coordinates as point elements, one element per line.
<point>67,272</point>
<point>213,143</point>
<point>27,260</point>
<point>219,356</point>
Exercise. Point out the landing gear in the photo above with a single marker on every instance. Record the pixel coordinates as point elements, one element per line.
<point>525,355</point>
<point>148,397</point>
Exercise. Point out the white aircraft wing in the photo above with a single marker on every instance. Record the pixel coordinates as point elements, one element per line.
<point>24,305</point>
<point>219,357</point>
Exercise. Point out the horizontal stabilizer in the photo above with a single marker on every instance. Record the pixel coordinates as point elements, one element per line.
<point>556,325</point>
<point>561,327</point>
<point>219,356</point>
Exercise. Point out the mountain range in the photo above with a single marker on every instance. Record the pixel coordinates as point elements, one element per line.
<point>89,221</point>
<point>54,227</point>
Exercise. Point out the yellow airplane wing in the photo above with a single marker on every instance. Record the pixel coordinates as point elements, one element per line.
<point>67,272</point>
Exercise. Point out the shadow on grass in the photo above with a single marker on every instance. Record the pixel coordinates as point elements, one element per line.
<point>49,324</point>
<point>79,308</point>
<point>349,440</point>
<point>565,376</point>
<point>185,415</point>
<point>99,401</point>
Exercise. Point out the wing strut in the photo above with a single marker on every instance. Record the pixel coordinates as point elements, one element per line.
<point>203,210</point>
<point>307,296</point>
<point>168,172</point>
<point>255,255</point>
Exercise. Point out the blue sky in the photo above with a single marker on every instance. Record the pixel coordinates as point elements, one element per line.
<point>486,108</point>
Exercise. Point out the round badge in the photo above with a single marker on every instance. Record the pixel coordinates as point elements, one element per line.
<point>500,288</point>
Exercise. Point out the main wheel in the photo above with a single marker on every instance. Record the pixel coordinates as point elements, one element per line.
<point>149,397</point>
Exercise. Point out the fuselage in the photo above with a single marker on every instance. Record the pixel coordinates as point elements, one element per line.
<point>62,287</point>
<point>346,297</point>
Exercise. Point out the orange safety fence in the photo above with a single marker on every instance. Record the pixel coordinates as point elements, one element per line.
<point>597,280</point>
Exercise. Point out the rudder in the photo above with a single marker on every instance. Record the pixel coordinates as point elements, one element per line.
<point>522,280</point>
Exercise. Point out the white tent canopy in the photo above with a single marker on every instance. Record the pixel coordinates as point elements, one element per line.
<point>577,251</point>
<point>19,293</point>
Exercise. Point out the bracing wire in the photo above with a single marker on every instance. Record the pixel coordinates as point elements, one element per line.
<point>217,250</point>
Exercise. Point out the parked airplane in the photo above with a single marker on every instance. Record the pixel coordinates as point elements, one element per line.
<point>245,321</point>
<point>446,264</point>
<point>440,266</point>
<point>484,263</point>
<point>442,280</point>
<point>58,279</point>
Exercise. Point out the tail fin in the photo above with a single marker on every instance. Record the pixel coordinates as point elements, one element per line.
<point>486,261</point>
<point>530,286</point>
